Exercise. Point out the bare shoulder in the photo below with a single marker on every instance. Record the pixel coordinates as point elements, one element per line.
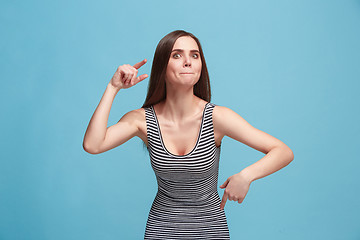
<point>137,117</point>
<point>218,110</point>
<point>228,122</point>
<point>222,117</point>
<point>126,128</point>
<point>236,127</point>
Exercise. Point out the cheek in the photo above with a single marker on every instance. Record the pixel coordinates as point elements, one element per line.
<point>199,67</point>
<point>172,66</point>
<point>171,70</point>
<point>169,66</point>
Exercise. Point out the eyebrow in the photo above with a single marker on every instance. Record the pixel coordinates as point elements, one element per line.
<point>181,50</point>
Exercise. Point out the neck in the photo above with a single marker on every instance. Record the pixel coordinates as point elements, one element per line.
<point>180,103</point>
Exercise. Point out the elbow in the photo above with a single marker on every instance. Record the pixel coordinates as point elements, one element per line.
<point>287,153</point>
<point>89,149</point>
<point>290,154</point>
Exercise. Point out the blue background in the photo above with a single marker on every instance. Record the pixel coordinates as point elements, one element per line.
<point>290,68</point>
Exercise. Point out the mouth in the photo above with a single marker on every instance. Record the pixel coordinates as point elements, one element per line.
<point>186,73</point>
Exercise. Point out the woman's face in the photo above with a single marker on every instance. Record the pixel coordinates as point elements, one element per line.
<point>184,66</point>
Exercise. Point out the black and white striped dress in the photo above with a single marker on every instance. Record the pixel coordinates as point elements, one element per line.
<point>187,203</point>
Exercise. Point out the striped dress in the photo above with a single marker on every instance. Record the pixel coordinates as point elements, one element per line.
<point>187,203</point>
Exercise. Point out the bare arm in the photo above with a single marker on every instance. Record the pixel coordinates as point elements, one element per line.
<point>98,137</point>
<point>278,154</point>
<point>96,130</point>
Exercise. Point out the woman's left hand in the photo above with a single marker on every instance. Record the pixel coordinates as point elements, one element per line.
<point>236,188</point>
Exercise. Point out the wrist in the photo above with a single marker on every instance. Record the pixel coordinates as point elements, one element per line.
<point>110,86</point>
<point>246,175</point>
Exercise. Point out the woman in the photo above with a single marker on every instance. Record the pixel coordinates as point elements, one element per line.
<point>183,130</point>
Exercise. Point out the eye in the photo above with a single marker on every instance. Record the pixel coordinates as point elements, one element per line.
<point>196,55</point>
<point>176,55</point>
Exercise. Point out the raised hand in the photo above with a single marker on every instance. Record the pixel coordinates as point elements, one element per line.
<point>236,188</point>
<point>126,75</point>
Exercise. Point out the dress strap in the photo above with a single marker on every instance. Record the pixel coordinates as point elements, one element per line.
<point>151,128</point>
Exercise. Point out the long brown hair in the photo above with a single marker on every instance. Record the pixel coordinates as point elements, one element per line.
<point>157,84</point>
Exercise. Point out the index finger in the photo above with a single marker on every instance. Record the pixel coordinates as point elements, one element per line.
<point>139,64</point>
<point>223,201</point>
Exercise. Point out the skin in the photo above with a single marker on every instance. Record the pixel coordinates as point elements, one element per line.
<point>179,117</point>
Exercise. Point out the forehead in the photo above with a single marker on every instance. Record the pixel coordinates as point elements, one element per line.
<point>185,42</point>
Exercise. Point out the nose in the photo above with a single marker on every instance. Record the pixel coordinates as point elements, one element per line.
<point>187,62</point>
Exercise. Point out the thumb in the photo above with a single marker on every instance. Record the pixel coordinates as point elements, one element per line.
<point>224,184</point>
<point>141,77</point>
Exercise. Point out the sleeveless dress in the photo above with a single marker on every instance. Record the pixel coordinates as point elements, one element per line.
<point>187,204</point>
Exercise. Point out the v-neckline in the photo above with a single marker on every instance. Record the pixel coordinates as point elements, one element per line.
<point>197,140</point>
